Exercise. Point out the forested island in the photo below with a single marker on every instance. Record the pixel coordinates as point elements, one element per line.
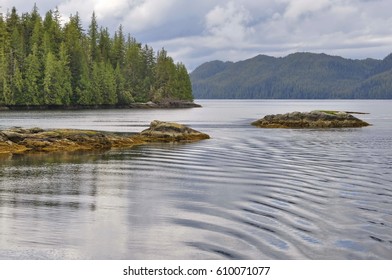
<point>296,76</point>
<point>45,63</point>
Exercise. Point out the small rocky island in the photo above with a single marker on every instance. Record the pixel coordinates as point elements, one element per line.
<point>20,140</point>
<point>313,119</point>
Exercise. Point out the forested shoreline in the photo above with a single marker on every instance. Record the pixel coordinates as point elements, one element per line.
<point>46,63</point>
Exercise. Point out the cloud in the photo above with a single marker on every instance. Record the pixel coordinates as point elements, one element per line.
<point>23,6</point>
<point>300,8</point>
<point>148,14</point>
<point>239,30</point>
<point>198,31</point>
<point>229,23</point>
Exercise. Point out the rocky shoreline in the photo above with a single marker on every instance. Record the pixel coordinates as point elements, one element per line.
<point>20,140</point>
<point>313,119</point>
<point>170,104</point>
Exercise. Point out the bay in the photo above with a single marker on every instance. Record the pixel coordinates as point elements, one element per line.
<point>246,193</point>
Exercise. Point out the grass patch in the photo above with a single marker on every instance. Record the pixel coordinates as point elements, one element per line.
<point>330,112</point>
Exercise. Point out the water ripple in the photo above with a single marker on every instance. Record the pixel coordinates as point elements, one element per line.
<point>246,193</point>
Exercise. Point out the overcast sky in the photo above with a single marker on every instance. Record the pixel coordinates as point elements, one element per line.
<point>197,31</point>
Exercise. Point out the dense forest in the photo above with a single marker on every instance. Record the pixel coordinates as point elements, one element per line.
<point>44,62</point>
<point>299,75</point>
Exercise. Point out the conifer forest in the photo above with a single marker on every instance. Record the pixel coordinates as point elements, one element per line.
<point>45,61</point>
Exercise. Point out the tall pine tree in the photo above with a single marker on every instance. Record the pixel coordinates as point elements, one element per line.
<point>33,79</point>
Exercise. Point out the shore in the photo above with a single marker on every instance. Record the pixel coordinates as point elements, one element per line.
<point>172,104</point>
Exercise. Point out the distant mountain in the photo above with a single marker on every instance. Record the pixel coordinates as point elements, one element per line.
<point>296,76</point>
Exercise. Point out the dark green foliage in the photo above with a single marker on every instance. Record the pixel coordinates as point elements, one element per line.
<point>93,38</point>
<point>299,75</point>
<point>183,85</point>
<point>33,92</point>
<point>45,63</point>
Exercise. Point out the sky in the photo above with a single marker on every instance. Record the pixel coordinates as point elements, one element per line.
<point>194,32</point>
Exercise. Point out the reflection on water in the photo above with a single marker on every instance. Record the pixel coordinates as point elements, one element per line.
<point>247,193</point>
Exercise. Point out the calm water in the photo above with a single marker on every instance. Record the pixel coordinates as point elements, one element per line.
<point>247,193</point>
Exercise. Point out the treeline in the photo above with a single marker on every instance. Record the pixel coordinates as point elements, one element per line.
<point>44,62</point>
<point>296,76</point>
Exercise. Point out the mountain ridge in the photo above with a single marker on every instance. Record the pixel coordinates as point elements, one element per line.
<point>300,75</point>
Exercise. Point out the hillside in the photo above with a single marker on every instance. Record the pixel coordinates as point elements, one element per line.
<point>296,76</point>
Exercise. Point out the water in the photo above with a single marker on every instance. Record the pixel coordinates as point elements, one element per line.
<point>247,193</point>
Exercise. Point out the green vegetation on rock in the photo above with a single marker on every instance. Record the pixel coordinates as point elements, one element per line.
<point>313,119</point>
<point>19,140</point>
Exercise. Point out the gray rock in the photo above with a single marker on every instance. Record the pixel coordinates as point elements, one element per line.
<point>20,140</point>
<point>169,131</point>
<point>313,119</point>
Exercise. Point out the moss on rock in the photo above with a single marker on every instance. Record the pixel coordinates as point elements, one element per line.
<point>313,119</point>
<point>171,132</point>
<point>19,140</point>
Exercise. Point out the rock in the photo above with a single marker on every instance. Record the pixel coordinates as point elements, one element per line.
<point>18,134</point>
<point>169,131</point>
<point>7,146</point>
<point>13,136</point>
<point>178,104</point>
<point>313,119</point>
<point>19,140</point>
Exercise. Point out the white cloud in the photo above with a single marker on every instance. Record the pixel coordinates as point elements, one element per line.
<point>26,6</point>
<point>148,14</point>
<point>113,8</point>
<point>197,31</point>
<point>299,8</point>
<point>229,23</point>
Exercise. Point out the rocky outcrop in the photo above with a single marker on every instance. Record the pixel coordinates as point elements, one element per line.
<point>313,119</point>
<point>168,132</point>
<point>164,104</point>
<point>19,140</point>
<point>167,104</point>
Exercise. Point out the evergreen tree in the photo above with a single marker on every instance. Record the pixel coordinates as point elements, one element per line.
<point>33,79</point>
<point>7,93</point>
<point>95,95</point>
<point>118,49</point>
<point>3,33</point>
<point>133,70</point>
<point>51,86</point>
<point>3,58</point>
<point>103,84</point>
<point>165,72</point>
<point>52,37</point>
<point>29,21</point>
<point>36,33</point>
<point>104,44</point>
<point>184,85</point>
<point>78,65</point>
<point>12,21</point>
<point>57,82</point>
<point>64,74</point>
<point>17,85</point>
<point>124,96</point>
<point>108,84</point>
<point>93,38</point>
<point>17,49</point>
